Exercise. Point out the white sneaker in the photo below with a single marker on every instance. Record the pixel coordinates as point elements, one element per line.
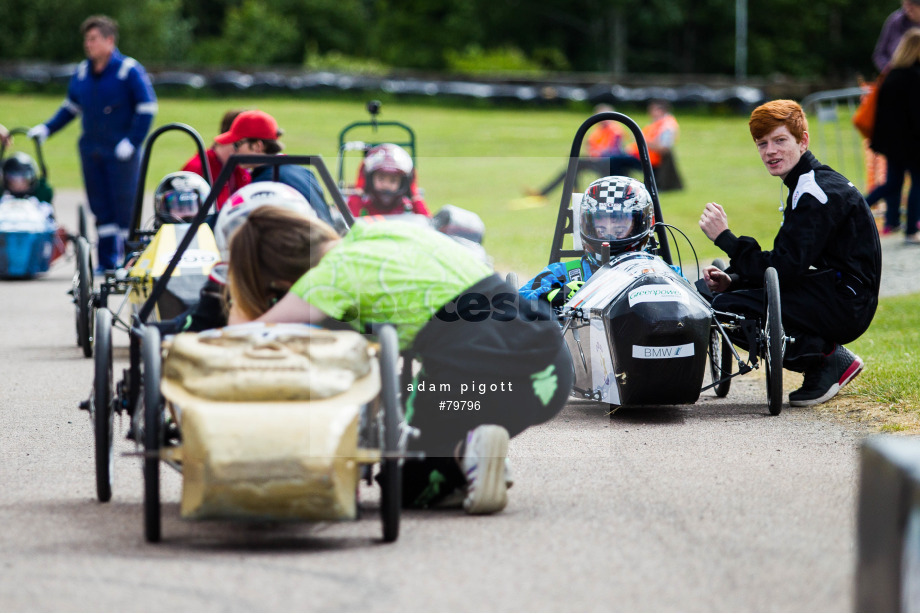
<point>484,465</point>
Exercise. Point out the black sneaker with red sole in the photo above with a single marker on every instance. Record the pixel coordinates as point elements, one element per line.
<point>822,383</point>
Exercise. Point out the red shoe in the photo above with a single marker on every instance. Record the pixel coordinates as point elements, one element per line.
<point>887,230</point>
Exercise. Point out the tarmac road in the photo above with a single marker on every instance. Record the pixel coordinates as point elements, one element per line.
<point>711,507</point>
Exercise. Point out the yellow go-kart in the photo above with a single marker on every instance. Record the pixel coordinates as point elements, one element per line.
<point>149,248</point>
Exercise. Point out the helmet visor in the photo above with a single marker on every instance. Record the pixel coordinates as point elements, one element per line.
<point>605,224</point>
<point>180,205</point>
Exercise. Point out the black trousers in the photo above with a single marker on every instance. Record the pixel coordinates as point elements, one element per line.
<point>823,310</point>
<point>510,368</point>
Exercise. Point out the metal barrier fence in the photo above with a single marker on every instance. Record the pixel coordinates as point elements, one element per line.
<point>834,140</point>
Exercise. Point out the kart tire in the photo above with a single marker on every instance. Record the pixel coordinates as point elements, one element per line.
<point>82,296</point>
<point>773,342</point>
<point>390,466</point>
<point>720,361</point>
<point>103,410</point>
<point>153,432</point>
<point>81,222</point>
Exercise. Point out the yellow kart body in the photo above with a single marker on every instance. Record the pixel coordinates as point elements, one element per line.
<point>190,275</point>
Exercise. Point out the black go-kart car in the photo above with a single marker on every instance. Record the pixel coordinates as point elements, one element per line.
<point>639,332</point>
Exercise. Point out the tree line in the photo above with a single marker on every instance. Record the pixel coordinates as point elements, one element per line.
<point>829,39</point>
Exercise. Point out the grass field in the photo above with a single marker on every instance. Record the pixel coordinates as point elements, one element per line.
<point>479,159</point>
<point>483,159</point>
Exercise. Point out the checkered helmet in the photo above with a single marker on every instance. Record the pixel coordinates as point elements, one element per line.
<point>179,196</point>
<point>617,211</point>
<point>242,202</point>
<point>390,158</point>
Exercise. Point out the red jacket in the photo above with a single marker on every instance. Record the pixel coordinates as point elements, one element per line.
<point>238,179</point>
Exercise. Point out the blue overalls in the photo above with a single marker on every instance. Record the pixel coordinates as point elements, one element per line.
<point>115,104</point>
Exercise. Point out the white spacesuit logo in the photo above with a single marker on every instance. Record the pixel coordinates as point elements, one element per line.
<point>808,185</point>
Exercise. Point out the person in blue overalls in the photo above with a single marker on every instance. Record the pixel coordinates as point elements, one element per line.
<point>114,95</point>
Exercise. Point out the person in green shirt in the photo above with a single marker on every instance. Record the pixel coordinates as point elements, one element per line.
<point>492,364</point>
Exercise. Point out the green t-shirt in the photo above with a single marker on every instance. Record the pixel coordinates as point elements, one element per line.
<point>390,272</point>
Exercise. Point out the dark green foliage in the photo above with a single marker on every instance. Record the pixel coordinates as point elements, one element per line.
<point>823,38</point>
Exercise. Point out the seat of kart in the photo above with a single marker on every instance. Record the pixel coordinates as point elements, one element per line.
<point>267,363</point>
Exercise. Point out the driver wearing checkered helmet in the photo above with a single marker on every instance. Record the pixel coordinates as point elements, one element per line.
<point>617,211</point>
<point>614,210</point>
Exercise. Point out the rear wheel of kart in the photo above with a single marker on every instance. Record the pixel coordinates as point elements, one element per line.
<point>391,493</point>
<point>103,410</point>
<point>81,222</point>
<point>773,342</point>
<point>82,297</point>
<point>720,361</point>
<point>154,432</point>
<point>512,280</point>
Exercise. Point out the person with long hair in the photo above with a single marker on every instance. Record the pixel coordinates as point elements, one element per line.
<point>897,133</point>
<point>492,365</point>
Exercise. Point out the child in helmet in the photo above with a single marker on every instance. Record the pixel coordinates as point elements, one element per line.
<point>466,326</point>
<point>209,312</point>
<point>178,197</point>
<point>387,181</point>
<point>20,182</point>
<point>20,175</point>
<point>614,210</point>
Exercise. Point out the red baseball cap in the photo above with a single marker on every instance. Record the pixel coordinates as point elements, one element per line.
<point>250,125</point>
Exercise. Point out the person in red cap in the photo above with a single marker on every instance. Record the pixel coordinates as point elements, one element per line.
<point>217,156</point>
<point>257,132</point>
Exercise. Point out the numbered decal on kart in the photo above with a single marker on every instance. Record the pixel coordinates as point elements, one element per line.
<point>195,258</point>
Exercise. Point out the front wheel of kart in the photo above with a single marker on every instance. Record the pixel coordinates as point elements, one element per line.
<point>103,409</point>
<point>720,361</point>
<point>391,493</point>
<point>153,432</point>
<point>773,342</point>
<point>82,297</point>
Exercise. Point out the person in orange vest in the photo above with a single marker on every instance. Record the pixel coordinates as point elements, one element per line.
<point>660,135</point>
<point>607,137</point>
<point>605,141</point>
